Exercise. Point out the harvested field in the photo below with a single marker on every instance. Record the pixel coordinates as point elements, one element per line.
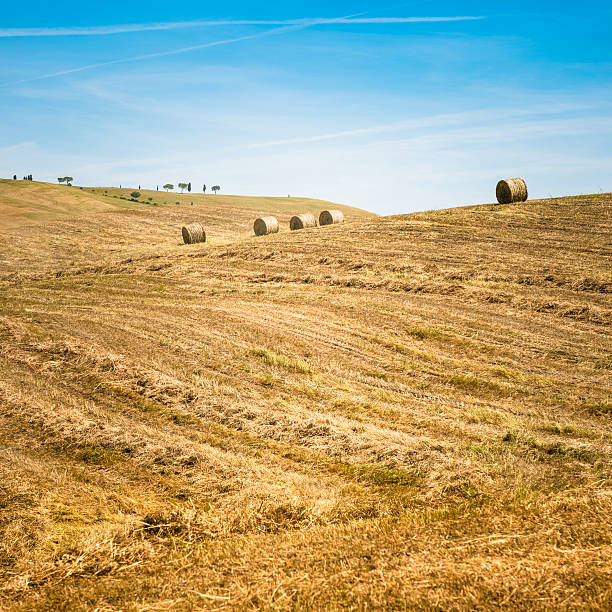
<point>418,417</point>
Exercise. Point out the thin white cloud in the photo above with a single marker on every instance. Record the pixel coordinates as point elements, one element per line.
<point>135,58</point>
<point>287,26</point>
<point>149,27</point>
<point>432,121</point>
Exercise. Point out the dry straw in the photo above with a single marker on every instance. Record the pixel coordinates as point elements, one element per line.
<point>302,221</point>
<point>328,217</point>
<point>194,232</point>
<point>511,190</point>
<point>265,225</point>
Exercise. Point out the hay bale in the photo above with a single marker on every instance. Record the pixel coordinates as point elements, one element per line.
<point>511,190</point>
<point>328,217</point>
<point>302,221</point>
<point>265,225</point>
<point>194,232</point>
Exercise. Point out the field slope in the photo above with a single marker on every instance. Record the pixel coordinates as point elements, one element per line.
<point>400,412</point>
<point>24,203</point>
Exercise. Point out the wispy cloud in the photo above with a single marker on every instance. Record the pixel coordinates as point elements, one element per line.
<point>288,25</point>
<point>439,121</point>
<point>135,58</point>
<point>174,25</point>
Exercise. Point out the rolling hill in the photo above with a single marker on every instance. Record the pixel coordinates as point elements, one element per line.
<point>398,412</point>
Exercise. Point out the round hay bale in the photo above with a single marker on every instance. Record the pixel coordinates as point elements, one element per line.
<point>302,221</point>
<point>329,217</point>
<point>265,225</point>
<point>511,190</point>
<point>194,232</point>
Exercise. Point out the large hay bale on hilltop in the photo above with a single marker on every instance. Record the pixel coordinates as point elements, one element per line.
<point>511,190</point>
<point>265,225</point>
<point>302,221</point>
<point>194,232</point>
<point>329,217</point>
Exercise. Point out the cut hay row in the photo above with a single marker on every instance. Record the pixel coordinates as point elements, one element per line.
<point>511,190</point>
<point>194,232</point>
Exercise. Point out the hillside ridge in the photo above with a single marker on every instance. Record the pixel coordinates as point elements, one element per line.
<point>30,202</point>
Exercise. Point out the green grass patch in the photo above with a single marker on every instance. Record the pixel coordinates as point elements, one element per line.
<point>267,380</point>
<point>425,333</point>
<point>375,474</point>
<point>551,449</point>
<point>508,373</point>
<point>598,408</point>
<point>568,430</point>
<point>281,361</point>
<point>93,454</point>
<point>473,383</point>
<point>485,415</point>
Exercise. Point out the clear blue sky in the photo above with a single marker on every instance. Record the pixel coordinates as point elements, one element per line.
<point>376,109</point>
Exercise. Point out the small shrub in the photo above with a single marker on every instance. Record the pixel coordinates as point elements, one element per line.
<point>135,194</point>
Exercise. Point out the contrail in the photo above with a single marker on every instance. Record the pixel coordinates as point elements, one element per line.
<point>290,25</point>
<point>135,58</point>
<point>149,27</point>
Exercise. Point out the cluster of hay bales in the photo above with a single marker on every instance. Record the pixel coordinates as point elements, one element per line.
<point>508,191</point>
<point>511,190</point>
<point>270,225</point>
<point>194,232</point>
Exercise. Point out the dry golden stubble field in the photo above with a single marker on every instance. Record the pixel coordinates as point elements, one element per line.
<point>401,412</point>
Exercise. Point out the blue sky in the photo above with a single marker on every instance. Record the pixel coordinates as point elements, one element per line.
<point>393,107</point>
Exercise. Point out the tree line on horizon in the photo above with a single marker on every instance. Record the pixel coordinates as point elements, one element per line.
<point>187,186</point>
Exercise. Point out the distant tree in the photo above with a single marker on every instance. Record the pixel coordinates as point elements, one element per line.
<point>15,177</point>
<point>215,188</point>
<point>168,186</point>
<point>189,187</point>
<point>182,186</point>
<point>204,188</point>
<point>135,194</point>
